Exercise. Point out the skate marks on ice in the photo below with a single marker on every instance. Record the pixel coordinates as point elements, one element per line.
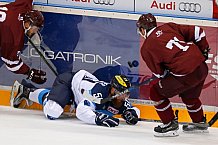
<point>25,127</point>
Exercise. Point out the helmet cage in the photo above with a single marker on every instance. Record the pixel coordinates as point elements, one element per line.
<point>120,83</point>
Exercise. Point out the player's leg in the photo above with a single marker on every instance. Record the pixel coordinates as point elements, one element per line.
<point>164,110</point>
<point>171,86</point>
<point>160,93</point>
<point>51,109</point>
<point>59,96</point>
<point>39,95</point>
<point>195,111</point>
<point>24,90</point>
<point>191,99</point>
<point>194,106</point>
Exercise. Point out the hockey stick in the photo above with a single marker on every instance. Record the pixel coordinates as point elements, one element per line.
<point>43,57</point>
<point>183,123</point>
<point>104,100</point>
<point>213,119</point>
<point>204,125</point>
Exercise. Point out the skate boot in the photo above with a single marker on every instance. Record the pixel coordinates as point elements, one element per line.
<point>200,127</point>
<point>167,130</point>
<point>22,94</point>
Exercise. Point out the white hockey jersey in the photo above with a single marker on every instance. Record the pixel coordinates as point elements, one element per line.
<point>85,109</point>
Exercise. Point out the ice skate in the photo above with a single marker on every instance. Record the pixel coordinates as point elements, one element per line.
<point>167,130</point>
<point>22,94</point>
<point>200,127</point>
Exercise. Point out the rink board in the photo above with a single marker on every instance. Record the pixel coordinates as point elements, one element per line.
<point>147,111</point>
<point>103,43</point>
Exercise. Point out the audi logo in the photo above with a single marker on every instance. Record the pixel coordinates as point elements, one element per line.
<point>189,7</point>
<point>104,2</point>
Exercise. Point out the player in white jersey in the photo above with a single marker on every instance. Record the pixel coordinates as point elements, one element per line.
<point>69,88</point>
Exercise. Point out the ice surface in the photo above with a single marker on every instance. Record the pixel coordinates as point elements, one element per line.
<point>30,127</point>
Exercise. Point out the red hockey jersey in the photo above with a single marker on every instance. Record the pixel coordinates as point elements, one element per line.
<point>174,47</point>
<point>12,34</point>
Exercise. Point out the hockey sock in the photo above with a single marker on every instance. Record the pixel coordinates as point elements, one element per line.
<point>38,95</point>
<point>194,108</point>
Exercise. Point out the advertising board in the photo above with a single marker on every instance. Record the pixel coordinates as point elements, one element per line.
<point>107,5</point>
<point>40,1</point>
<point>102,46</point>
<point>198,9</point>
<point>187,8</point>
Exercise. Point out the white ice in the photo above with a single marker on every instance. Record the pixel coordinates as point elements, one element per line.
<point>30,127</point>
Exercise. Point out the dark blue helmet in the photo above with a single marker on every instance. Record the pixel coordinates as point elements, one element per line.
<point>120,83</point>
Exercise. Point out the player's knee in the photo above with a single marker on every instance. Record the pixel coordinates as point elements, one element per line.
<point>52,110</point>
<point>154,96</point>
<point>191,101</point>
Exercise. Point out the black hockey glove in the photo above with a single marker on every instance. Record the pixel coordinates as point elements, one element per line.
<point>106,120</point>
<point>37,76</point>
<point>130,116</point>
<point>206,52</point>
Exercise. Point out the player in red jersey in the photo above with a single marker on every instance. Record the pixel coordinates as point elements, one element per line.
<point>175,54</point>
<point>16,19</point>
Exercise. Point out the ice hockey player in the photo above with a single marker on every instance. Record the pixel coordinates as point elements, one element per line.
<point>69,87</point>
<point>16,19</point>
<point>175,54</point>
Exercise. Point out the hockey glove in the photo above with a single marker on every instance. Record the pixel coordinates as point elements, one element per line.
<point>206,52</point>
<point>130,116</point>
<point>106,120</point>
<point>37,76</point>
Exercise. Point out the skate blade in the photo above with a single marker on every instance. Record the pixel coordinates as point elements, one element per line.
<point>196,131</point>
<point>167,134</point>
<point>14,91</point>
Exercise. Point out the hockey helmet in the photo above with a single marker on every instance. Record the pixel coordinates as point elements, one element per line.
<point>120,83</point>
<point>146,21</point>
<point>35,17</point>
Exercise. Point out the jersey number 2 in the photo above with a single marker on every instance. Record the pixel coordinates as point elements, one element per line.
<point>3,14</point>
